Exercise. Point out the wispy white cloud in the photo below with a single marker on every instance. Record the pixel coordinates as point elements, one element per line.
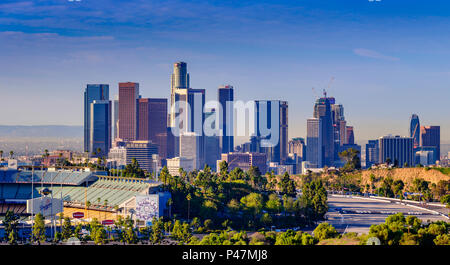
<point>374,54</point>
<point>23,36</point>
<point>30,7</point>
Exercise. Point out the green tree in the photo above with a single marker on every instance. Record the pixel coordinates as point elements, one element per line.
<point>273,204</point>
<point>39,229</point>
<point>165,176</point>
<point>256,180</point>
<point>66,229</point>
<point>133,170</point>
<point>266,219</point>
<point>207,224</point>
<point>233,206</point>
<point>10,223</point>
<point>94,225</point>
<point>223,169</point>
<point>186,233</point>
<point>157,230</point>
<point>77,230</point>
<point>177,231</point>
<point>325,231</point>
<point>287,185</point>
<point>208,209</point>
<point>195,223</point>
<point>130,233</point>
<point>446,200</point>
<point>314,201</point>
<point>100,236</point>
<point>351,158</point>
<point>188,198</point>
<point>398,186</point>
<point>442,240</point>
<point>288,204</point>
<point>294,238</point>
<point>386,188</point>
<point>253,203</point>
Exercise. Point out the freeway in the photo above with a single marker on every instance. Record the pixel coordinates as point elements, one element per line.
<point>357,214</point>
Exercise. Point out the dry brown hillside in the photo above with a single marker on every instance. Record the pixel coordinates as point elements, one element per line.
<point>407,175</point>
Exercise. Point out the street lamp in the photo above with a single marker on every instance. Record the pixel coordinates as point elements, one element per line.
<point>45,192</point>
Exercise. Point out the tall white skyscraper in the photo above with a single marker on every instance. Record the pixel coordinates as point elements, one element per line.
<point>190,148</point>
<point>189,117</point>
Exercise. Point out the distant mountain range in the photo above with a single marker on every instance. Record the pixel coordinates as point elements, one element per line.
<point>41,131</point>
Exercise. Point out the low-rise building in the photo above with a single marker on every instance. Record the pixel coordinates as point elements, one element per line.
<point>174,165</point>
<point>244,161</point>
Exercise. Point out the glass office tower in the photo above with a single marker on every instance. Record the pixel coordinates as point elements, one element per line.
<point>414,130</point>
<point>91,93</point>
<point>225,94</point>
<point>100,127</point>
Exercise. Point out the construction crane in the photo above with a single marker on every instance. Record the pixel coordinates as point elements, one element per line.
<point>324,90</point>
<point>328,88</point>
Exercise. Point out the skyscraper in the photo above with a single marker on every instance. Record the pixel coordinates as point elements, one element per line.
<point>179,81</point>
<point>414,130</point>
<point>128,111</point>
<point>284,137</point>
<point>190,148</point>
<point>350,135</point>
<point>431,137</point>
<point>298,146</point>
<point>196,117</point>
<point>225,94</point>
<point>100,127</point>
<point>153,123</point>
<point>116,117</point>
<point>143,152</point>
<point>339,125</point>
<point>372,153</point>
<point>180,77</point>
<point>212,146</point>
<point>399,150</point>
<point>314,144</point>
<point>264,120</point>
<point>192,102</point>
<point>322,111</point>
<point>91,93</point>
<point>197,103</point>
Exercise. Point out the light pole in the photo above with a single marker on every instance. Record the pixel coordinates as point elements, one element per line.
<point>45,192</point>
<point>32,197</point>
<point>132,211</point>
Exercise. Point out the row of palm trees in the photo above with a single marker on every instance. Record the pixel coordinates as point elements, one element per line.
<point>11,154</point>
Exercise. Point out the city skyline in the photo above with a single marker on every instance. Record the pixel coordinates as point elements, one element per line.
<point>379,55</point>
<point>272,123</point>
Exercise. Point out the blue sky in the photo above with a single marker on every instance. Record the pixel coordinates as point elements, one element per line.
<point>389,59</point>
